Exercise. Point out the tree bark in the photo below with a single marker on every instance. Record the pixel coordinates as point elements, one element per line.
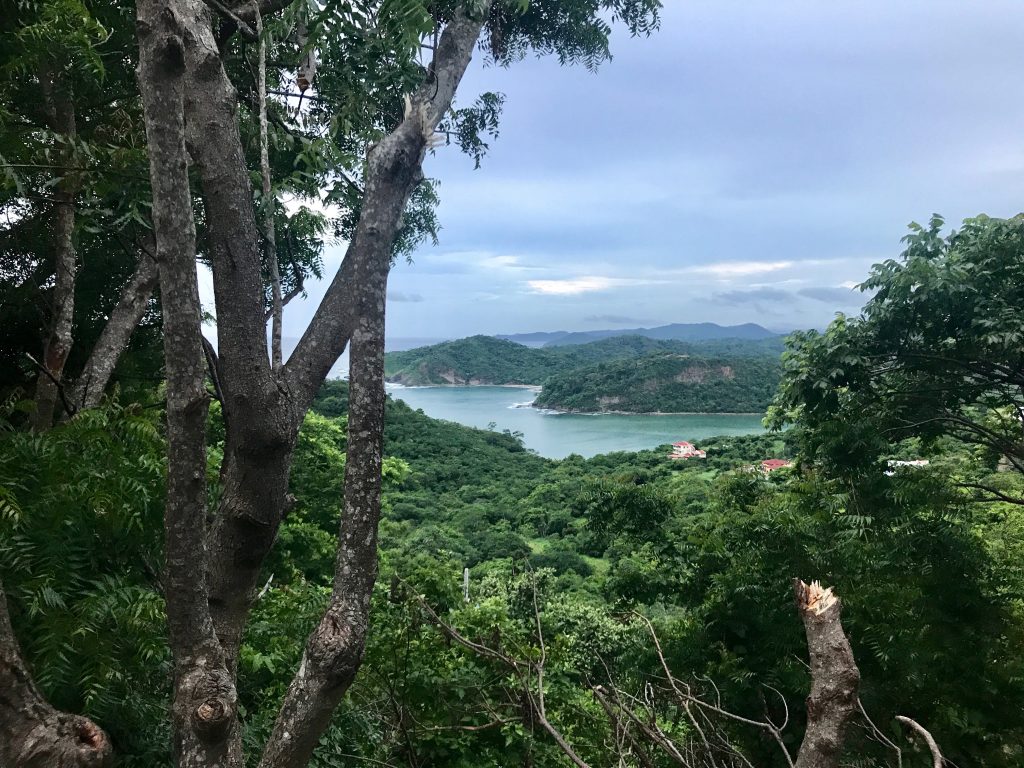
<point>57,347</point>
<point>262,410</point>
<point>834,674</point>
<point>334,650</point>
<point>203,710</point>
<point>114,338</point>
<point>32,733</point>
<point>261,418</point>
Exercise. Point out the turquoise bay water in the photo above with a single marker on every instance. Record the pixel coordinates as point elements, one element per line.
<point>556,435</point>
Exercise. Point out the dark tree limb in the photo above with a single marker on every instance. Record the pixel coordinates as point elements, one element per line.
<point>994,493</point>
<point>834,675</point>
<point>57,346</point>
<point>58,386</point>
<point>113,340</point>
<point>211,366</point>
<point>32,733</point>
<point>204,702</point>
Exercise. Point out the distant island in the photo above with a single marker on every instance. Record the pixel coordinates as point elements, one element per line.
<point>631,373</point>
<point>665,383</point>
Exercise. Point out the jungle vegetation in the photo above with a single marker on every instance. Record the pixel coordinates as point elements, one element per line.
<point>210,558</point>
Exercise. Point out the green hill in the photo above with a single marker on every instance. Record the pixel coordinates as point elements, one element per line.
<point>480,360</point>
<point>476,360</point>
<point>666,383</point>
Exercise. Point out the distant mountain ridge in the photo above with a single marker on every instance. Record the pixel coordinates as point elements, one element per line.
<point>672,332</point>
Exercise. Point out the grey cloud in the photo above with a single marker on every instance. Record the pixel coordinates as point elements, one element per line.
<point>405,297</point>
<point>755,295</point>
<point>829,295</point>
<point>614,319</point>
<point>796,114</point>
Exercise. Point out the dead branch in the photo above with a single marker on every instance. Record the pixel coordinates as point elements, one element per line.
<point>933,747</point>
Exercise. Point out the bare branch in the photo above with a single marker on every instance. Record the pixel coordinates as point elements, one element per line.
<point>995,493</point>
<point>57,384</point>
<point>919,729</point>
<point>267,201</point>
<point>120,325</point>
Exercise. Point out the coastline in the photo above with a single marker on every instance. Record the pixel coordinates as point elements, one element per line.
<point>399,385</point>
<point>648,413</point>
<point>569,411</point>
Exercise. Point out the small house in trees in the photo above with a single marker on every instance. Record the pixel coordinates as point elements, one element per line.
<point>770,465</point>
<point>685,450</point>
<point>894,464</point>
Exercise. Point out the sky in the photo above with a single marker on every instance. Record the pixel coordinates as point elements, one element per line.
<point>746,163</point>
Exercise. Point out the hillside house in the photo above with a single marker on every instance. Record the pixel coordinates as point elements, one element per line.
<point>893,464</point>
<point>770,465</point>
<point>685,450</point>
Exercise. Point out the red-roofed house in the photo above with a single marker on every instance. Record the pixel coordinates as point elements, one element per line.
<point>770,465</point>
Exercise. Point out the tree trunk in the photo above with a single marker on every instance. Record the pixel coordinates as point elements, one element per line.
<point>113,340</point>
<point>834,674</point>
<point>334,651</point>
<point>32,733</point>
<point>61,111</point>
<point>203,710</point>
<point>261,418</point>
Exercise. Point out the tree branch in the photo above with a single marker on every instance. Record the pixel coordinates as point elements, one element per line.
<point>113,340</point>
<point>933,747</point>
<point>268,202</point>
<point>999,495</point>
<point>401,153</point>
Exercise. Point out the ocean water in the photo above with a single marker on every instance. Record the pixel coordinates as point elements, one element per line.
<point>557,435</point>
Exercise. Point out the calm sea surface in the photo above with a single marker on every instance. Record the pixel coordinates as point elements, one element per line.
<point>557,435</point>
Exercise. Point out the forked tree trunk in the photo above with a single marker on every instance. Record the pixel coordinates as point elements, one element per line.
<point>210,576</point>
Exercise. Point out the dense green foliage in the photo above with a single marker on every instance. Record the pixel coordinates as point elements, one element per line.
<point>938,350</point>
<point>666,383</point>
<point>706,548</point>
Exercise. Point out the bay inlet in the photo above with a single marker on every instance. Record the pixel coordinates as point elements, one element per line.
<point>557,435</point>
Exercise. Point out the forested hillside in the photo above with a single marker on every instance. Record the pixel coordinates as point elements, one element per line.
<point>489,360</point>
<point>665,383</point>
<point>704,548</point>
